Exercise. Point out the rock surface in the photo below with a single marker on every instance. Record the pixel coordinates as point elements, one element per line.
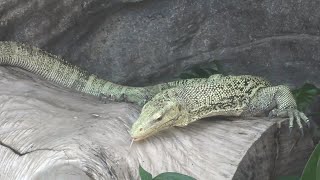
<point>138,42</point>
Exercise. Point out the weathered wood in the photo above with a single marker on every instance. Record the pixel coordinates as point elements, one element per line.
<point>47,132</point>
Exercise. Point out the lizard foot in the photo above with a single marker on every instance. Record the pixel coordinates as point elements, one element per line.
<point>293,114</point>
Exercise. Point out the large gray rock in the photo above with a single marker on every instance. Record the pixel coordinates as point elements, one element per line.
<point>141,42</point>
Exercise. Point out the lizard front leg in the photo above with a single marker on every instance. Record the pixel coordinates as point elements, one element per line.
<point>286,107</point>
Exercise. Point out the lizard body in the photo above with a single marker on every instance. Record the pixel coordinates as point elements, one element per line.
<point>176,103</point>
<point>226,96</point>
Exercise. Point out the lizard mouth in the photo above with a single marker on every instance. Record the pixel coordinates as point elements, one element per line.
<point>150,133</point>
<point>139,138</point>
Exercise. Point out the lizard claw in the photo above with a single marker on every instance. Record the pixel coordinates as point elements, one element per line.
<point>308,124</point>
<point>294,115</point>
<point>301,132</point>
<point>290,131</point>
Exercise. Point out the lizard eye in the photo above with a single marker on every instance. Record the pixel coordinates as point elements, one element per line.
<point>140,129</point>
<point>158,119</point>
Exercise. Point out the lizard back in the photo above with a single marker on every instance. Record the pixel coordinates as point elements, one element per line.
<point>228,96</point>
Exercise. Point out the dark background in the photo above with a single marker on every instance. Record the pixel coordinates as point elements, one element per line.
<point>141,42</point>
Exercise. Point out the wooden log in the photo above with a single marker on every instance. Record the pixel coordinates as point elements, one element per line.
<point>47,132</point>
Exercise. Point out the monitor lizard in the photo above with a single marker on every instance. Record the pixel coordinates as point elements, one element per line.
<point>243,95</point>
<point>164,105</point>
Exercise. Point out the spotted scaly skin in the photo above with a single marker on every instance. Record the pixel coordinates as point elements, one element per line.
<point>176,103</point>
<point>55,69</point>
<point>219,96</point>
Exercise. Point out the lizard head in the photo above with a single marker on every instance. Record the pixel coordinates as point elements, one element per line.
<point>158,114</point>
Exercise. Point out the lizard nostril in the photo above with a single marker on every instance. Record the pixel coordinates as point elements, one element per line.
<point>141,129</point>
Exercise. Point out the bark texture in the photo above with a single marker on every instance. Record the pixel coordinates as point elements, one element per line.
<point>50,133</point>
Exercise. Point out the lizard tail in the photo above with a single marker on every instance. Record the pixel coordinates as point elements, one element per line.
<point>57,70</point>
